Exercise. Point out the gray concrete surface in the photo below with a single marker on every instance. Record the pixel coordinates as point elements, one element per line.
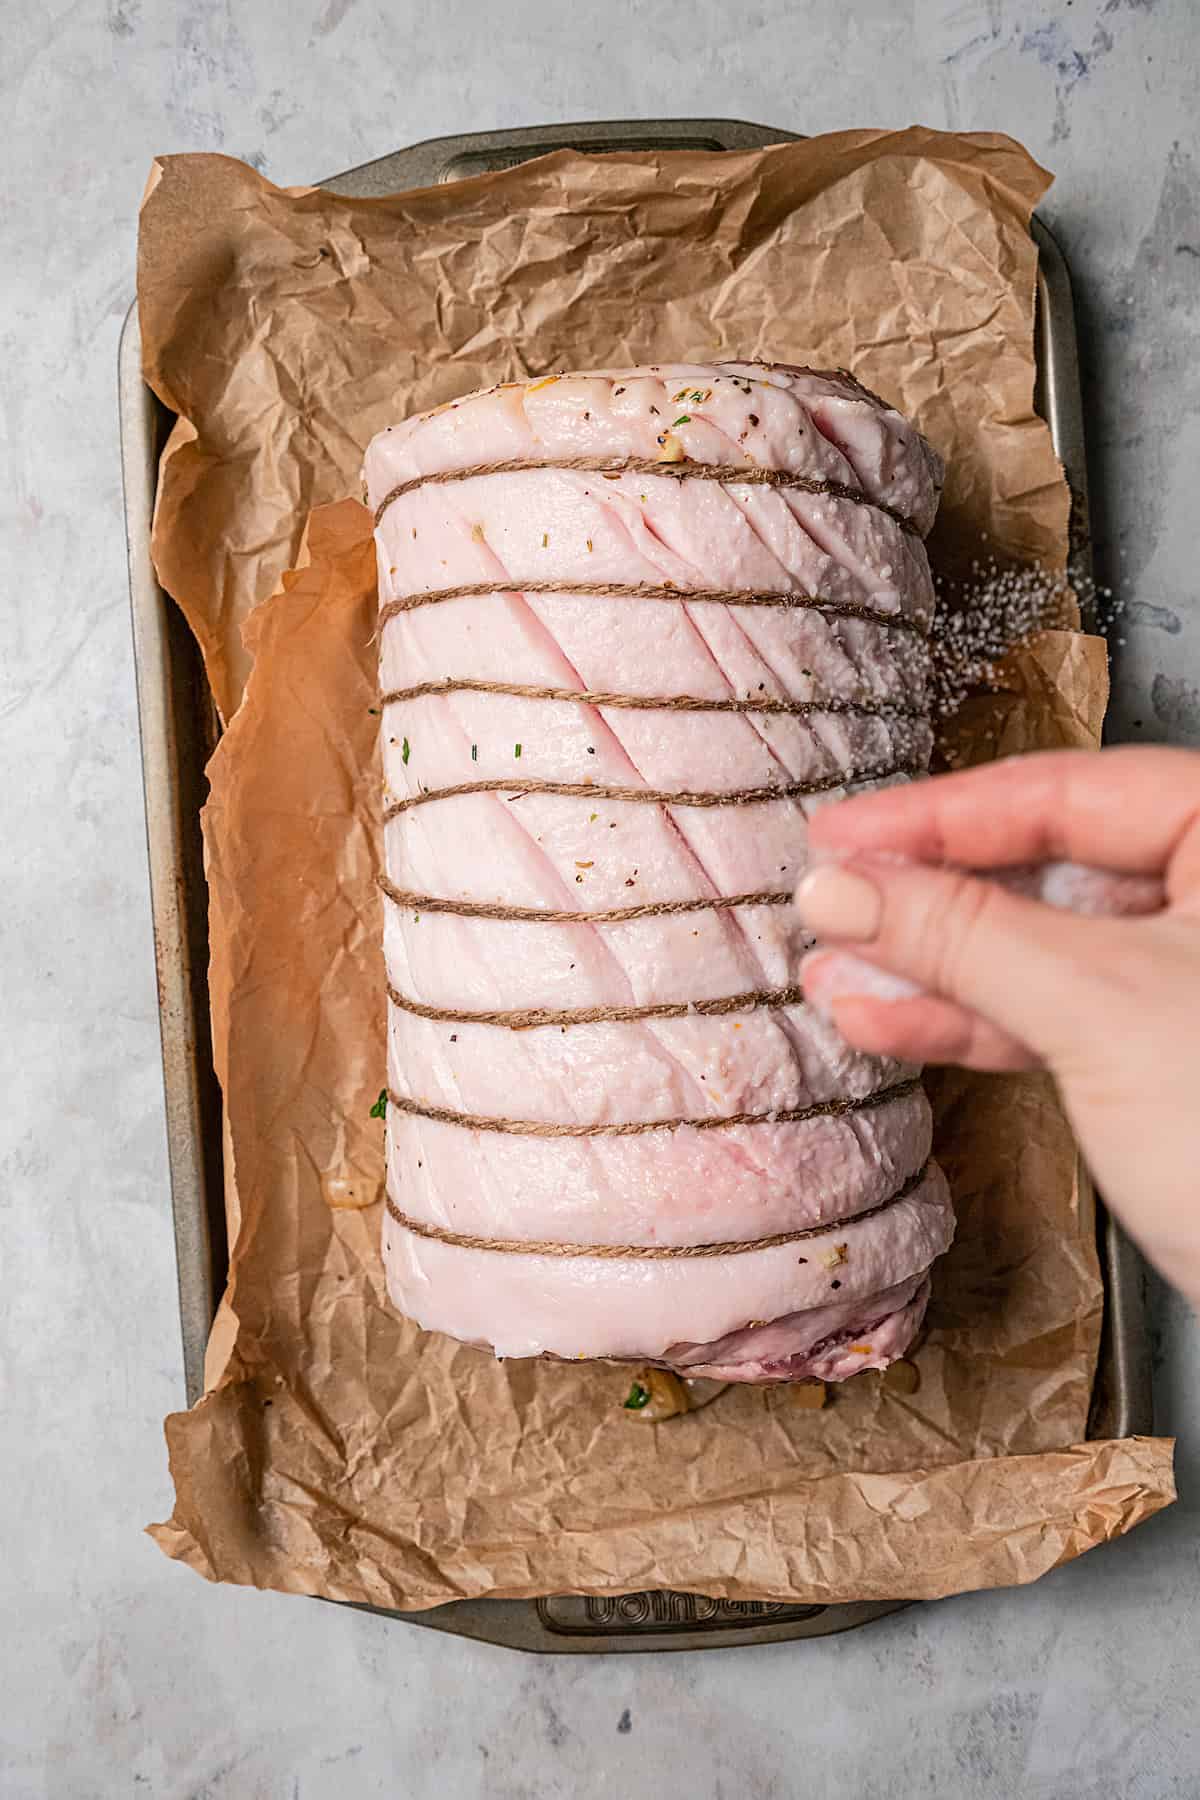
<point>120,1673</point>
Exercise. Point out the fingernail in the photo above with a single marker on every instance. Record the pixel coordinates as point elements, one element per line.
<point>838,902</point>
<point>832,975</point>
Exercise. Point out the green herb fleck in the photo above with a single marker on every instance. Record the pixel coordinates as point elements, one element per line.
<point>474,752</point>
<point>379,1110</point>
<point>683,419</point>
<point>516,749</point>
<point>374,711</point>
<point>639,1396</point>
<point>404,751</point>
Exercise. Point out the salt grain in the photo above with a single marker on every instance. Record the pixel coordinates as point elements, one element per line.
<point>996,610</point>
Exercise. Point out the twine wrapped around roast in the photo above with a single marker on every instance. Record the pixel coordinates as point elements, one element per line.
<point>730,615</point>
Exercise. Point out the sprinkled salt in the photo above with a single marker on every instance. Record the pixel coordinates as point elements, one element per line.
<point>996,610</point>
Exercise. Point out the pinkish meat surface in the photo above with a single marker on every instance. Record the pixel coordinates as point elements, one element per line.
<point>823,1344</point>
<point>765,1313</point>
<point>635,1308</point>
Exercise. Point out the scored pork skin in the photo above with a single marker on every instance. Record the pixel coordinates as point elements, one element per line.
<point>685,1184</point>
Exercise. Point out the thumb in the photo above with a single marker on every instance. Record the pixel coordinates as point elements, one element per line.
<point>1029,968</point>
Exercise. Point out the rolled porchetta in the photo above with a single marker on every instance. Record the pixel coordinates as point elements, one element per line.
<point>634,626</point>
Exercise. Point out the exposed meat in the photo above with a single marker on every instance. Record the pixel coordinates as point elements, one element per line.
<point>824,1344</point>
<point>789,616</point>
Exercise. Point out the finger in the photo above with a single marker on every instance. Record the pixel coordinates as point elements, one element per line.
<point>1128,809</point>
<point>1078,888</point>
<point>1031,971</point>
<point>888,1016</point>
<point>930,1031</point>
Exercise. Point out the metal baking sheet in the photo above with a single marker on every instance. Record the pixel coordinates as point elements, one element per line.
<point>179,728</point>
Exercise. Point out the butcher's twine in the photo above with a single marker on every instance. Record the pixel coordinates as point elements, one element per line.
<point>870,709</point>
<point>752,474</point>
<point>644,590</point>
<point>646,1252</point>
<point>781,1115</point>
<point>527,1018</point>
<point>599,790</point>
<point>612,915</point>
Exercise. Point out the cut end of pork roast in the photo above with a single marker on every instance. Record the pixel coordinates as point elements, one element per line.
<point>634,626</point>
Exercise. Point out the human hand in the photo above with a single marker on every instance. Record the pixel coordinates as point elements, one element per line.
<point>906,879</point>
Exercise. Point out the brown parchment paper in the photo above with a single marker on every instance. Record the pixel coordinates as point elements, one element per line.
<point>286,327</point>
<point>341,1451</point>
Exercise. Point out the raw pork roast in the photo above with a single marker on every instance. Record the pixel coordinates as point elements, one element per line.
<point>634,625</point>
